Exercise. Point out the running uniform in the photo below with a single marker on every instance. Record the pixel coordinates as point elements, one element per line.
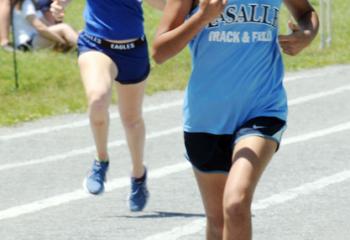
<point>117,20</point>
<point>235,89</point>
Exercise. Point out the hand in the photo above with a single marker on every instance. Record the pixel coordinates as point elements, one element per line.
<point>57,8</point>
<point>295,42</point>
<point>60,41</point>
<point>210,9</point>
<point>61,45</point>
<point>62,48</point>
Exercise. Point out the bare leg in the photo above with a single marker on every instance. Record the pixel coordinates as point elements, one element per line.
<point>67,32</point>
<point>98,72</point>
<point>130,98</point>
<point>63,30</point>
<point>212,187</point>
<point>250,158</point>
<point>40,42</point>
<point>4,21</point>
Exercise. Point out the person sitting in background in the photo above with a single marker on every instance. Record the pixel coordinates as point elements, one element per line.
<point>32,32</point>
<point>5,11</point>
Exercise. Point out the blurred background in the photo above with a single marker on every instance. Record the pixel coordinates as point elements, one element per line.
<point>49,81</point>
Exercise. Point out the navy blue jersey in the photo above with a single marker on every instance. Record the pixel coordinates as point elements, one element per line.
<point>114,19</point>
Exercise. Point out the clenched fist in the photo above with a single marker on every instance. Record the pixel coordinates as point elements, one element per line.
<point>57,8</point>
<point>211,9</point>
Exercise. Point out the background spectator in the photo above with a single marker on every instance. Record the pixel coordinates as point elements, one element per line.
<point>32,31</point>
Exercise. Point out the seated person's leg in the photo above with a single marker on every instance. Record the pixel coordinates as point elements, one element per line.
<point>67,32</point>
<point>63,30</point>
<point>40,42</point>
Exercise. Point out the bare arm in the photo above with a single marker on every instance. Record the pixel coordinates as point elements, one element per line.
<point>158,4</point>
<point>304,31</point>
<point>43,30</point>
<point>174,33</point>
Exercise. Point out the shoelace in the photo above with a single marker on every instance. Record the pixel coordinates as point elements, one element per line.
<point>137,187</point>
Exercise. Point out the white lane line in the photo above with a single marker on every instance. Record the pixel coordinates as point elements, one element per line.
<point>81,194</point>
<point>299,77</point>
<point>82,151</point>
<point>91,149</point>
<point>161,172</point>
<point>318,95</point>
<point>84,123</point>
<point>304,189</point>
<point>317,134</point>
<point>276,199</point>
<point>178,232</point>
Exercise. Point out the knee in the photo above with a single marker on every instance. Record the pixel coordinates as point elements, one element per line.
<point>215,226</point>
<point>64,27</point>
<point>98,107</point>
<point>132,121</point>
<point>237,207</point>
<point>98,101</point>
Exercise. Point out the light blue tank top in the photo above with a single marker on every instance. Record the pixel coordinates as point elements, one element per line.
<point>237,69</point>
<point>114,19</point>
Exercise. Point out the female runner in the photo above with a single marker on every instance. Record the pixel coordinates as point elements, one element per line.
<point>235,106</point>
<point>113,51</point>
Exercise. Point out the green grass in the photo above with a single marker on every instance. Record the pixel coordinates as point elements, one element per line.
<point>50,82</point>
<point>313,56</point>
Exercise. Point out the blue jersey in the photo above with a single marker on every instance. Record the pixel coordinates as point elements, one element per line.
<point>237,69</point>
<point>114,19</point>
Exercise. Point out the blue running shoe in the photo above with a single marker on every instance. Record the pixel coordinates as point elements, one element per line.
<point>139,193</point>
<point>94,182</point>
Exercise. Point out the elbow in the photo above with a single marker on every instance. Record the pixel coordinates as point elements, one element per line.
<point>157,56</point>
<point>158,59</point>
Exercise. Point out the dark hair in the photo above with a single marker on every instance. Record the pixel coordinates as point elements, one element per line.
<point>42,4</point>
<point>39,4</point>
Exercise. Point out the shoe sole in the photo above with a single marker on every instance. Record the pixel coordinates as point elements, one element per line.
<point>137,210</point>
<point>87,190</point>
